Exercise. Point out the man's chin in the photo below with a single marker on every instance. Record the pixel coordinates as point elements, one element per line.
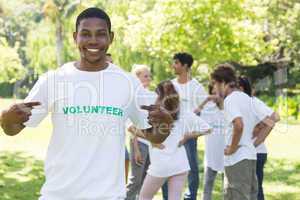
<point>95,61</point>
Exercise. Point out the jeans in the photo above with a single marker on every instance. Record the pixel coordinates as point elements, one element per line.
<point>261,161</point>
<point>138,173</point>
<point>209,180</point>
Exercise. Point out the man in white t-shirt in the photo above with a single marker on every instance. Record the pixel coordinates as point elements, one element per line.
<point>240,152</point>
<point>191,94</point>
<point>90,101</point>
<point>266,116</point>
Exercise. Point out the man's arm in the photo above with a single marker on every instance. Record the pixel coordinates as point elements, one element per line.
<point>264,128</point>
<point>192,135</point>
<point>13,118</point>
<point>238,127</point>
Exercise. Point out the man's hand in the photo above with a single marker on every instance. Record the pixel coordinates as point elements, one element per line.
<point>13,118</point>
<point>138,158</point>
<point>185,138</point>
<point>198,110</point>
<point>229,150</point>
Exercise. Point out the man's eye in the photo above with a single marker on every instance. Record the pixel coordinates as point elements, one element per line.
<point>84,34</point>
<point>101,34</point>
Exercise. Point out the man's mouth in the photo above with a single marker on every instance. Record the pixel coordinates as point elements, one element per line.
<point>92,50</point>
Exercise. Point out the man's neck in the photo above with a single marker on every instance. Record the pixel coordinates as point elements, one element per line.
<point>86,66</point>
<point>231,90</point>
<point>184,78</point>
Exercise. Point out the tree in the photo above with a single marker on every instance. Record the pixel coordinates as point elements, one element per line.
<point>11,68</point>
<point>58,11</point>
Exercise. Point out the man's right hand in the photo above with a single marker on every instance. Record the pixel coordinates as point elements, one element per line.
<point>138,158</point>
<point>16,115</point>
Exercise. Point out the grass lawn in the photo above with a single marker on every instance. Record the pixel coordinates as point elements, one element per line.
<point>21,163</point>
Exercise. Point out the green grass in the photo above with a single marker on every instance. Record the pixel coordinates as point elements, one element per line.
<point>21,163</point>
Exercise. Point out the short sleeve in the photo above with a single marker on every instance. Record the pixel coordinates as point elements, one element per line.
<point>199,93</point>
<point>141,96</point>
<point>40,93</point>
<point>195,123</point>
<point>260,109</point>
<point>231,108</point>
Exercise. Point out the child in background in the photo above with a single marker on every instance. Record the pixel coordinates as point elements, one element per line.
<point>170,163</point>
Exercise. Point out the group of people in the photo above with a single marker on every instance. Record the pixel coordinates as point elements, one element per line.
<point>93,101</point>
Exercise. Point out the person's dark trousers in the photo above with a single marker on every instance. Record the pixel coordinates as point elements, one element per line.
<point>260,164</point>
<point>164,190</point>
<point>193,177</point>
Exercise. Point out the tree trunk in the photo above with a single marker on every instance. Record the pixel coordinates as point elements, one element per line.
<point>59,43</point>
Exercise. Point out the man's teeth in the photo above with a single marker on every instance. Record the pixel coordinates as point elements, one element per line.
<point>93,50</point>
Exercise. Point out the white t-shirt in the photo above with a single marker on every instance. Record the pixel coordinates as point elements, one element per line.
<point>191,94</point>
<point>239,104</point>
<point>151,97</point>
<point>172,159</point>
<point>261,111</point>
<point>85,158</point>
<point>214,142</point>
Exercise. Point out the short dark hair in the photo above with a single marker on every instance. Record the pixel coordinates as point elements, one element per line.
<point>184,58</point>
<point>224,73</point>
<point>245,84</point>
<point>93,12</point>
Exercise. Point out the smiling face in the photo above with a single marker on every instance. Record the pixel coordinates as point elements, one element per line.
<point>93,39</point>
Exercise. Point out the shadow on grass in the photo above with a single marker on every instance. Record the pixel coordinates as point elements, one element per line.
<point>282,196</point>
<point>21,176</point>
<point>283,171</point>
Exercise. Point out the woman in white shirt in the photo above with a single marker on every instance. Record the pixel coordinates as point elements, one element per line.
<point>211,110</point>
<point>170,162</point>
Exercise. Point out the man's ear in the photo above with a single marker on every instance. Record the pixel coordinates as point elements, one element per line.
<point>111,35</point>
<point>75,36</point>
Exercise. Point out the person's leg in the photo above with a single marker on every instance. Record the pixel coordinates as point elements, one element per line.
<point>261,161</point>
<point>127,160</point>
<point>150,187</point>
<point>239,181</point>
<point>146,163</point>
<point>164,190</point>
<point>209,179</point>
<point>193,176</point>
<point>176,185</point>
<point>254,183</point>
<point>137,173</point>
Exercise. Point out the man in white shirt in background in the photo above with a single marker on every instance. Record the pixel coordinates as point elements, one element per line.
<point>191,94</point>
<point>240,152</point>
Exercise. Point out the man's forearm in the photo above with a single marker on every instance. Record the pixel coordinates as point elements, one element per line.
<point>263,134</point>
<point>236,137</point>
<point>194,135</point>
